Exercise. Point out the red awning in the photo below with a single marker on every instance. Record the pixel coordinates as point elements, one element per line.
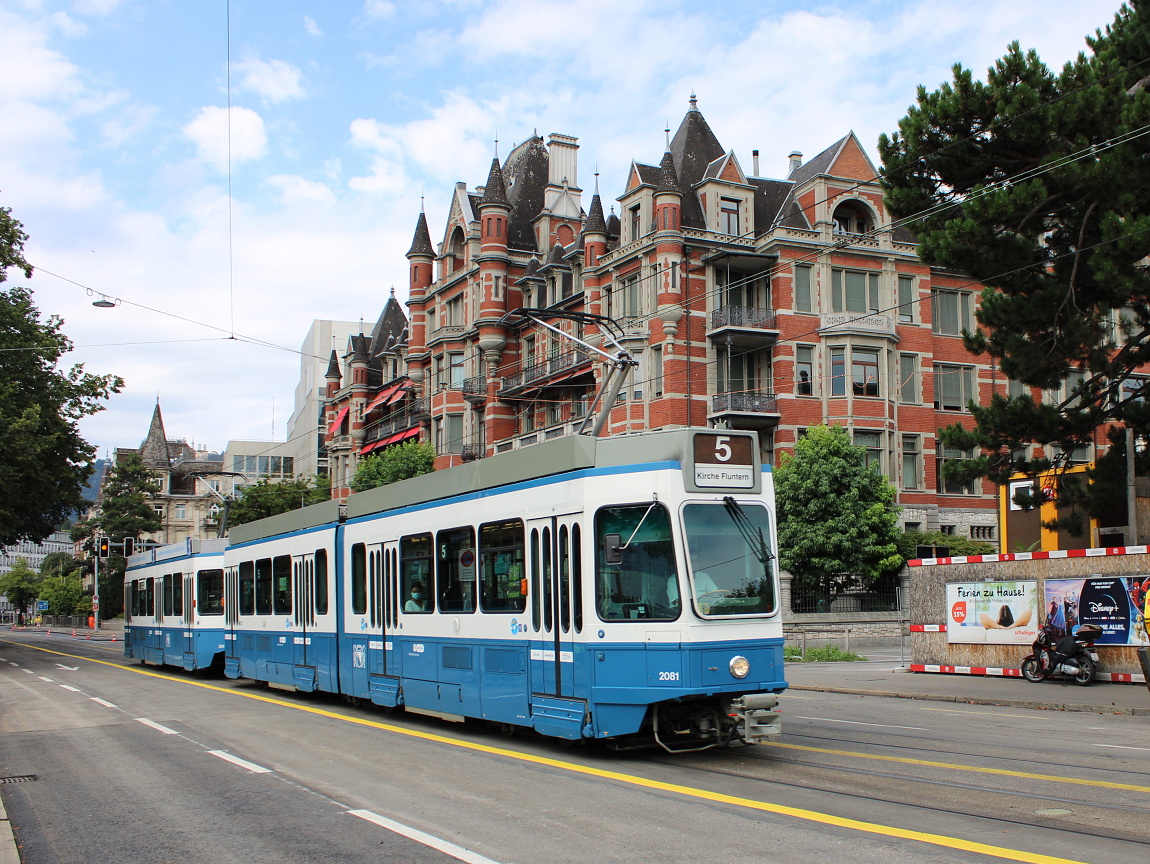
<point>338,421</point>
<point>374,445</point>
<point>399,394</point>
<point>401,436</point>
<point>383,395</point>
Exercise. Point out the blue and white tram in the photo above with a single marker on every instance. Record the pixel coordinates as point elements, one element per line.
<point>623,588</point>
<point>173,605</point>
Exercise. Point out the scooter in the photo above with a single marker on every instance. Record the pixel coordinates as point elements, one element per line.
<point>1071,656</point>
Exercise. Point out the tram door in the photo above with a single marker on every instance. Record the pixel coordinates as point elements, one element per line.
<point>231,619</point>
<point>303,611</point>
<point>185,600</point>
<point>379,565</point>
<point>556,604</point>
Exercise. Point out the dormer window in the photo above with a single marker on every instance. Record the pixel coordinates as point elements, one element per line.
<point>852,217</point>
<point>636,222</point>
<point>729,216</point>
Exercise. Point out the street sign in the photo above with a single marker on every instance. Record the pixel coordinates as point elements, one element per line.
<point>41,605</point>
<point>95,603</point>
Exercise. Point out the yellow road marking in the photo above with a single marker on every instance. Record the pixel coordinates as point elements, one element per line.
<point>634,780</point>
<point>956,767</point>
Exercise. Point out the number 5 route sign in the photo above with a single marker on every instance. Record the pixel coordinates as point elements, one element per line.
<point>724,461</point>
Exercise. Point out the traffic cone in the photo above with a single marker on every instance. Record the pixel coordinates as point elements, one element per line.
<point>73,631</point>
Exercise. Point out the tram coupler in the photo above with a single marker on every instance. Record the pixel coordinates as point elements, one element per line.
<point>756,717</point>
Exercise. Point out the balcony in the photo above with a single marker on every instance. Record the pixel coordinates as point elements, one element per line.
<point>475,389</point>
<point>743,326</point>
<point>539,373</point>
<point>745,409</point>
<point>857,323</point>
<point>471,452</point>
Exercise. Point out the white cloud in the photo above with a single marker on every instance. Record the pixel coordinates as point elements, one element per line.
<point>294,189</point>
<point>378,9</point>
<point>97,7</point>
<point>69,26</point>
<point>311,27</point>
<point>272,80</point>
<point>209,131</point>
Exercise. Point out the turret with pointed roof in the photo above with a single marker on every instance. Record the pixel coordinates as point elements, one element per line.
<point>154,450</point>
<point>421,242</point>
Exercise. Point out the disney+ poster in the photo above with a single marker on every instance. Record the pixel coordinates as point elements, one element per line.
<point>1117,604</point>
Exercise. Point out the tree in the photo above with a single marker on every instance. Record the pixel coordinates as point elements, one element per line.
<point>266,498</point>
<point>45,461</point>
<point>837,519</point>
<point>409,459</point>
<point>58,564</point>
<point>21,585</point>
<point>65,595</point>
<point>1033,184</point>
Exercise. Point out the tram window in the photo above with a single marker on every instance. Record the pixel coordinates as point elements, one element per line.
<point>455,569</point>
<point>358,579</point>
<point>415,566</point>
<point>545,559</point>
<point>729,548</point>
<point>501,565</point>
<point>210,592</point>
<point>536,594</point>
<point>264,586</point>
<point>564,579</point>
<point>247,588</point>
<point>178,595</point>
<point>577,578</point>
<point>167,581</point>
<point>320,581</point>
<point>281,573</point>
<point>644,583</point>
<point>149,605</point>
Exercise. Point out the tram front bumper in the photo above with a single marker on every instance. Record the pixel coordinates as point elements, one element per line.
<point>756,716</point>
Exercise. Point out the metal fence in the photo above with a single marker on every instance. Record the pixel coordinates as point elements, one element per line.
<point>878,599</point>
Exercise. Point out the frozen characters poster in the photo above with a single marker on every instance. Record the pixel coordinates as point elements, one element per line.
<point>1117,604</point>
<point>1003,613</point>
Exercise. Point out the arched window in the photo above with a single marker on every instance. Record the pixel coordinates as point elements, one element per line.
<point>458,249</point>
<point>852,217</point>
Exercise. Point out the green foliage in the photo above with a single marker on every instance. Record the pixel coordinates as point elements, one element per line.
<point>46,462</point>
<point>820,654</point>
<point>837,517</point>
<point>409,459</point>
<point>21,585</point>
<point>65,596</point>
<point>125,510</point>
<point>266,498</point>
<point>58,564</point>
<point>908,541</point>
<point>1026,183</point>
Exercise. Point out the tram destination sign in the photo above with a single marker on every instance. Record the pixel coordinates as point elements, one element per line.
<point>724,461</point>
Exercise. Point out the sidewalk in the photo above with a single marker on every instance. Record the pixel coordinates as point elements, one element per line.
<point>888,677</point>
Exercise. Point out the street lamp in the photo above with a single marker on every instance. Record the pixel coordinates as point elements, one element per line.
<point>105,302</point>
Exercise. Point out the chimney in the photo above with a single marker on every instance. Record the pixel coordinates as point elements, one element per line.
<point>796,160</point>
<point>562,160</point>
<point>755,162</point>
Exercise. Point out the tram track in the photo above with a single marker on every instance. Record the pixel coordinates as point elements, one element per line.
<point>1062,766</point>
<point>1041,824</point>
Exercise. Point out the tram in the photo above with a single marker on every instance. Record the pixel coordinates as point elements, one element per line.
<point>621,589</point>
<point>173,605</point>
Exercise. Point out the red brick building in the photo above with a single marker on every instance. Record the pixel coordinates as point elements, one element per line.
<point>747,302</point>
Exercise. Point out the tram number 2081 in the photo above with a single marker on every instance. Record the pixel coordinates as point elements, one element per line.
<point>668,676</point>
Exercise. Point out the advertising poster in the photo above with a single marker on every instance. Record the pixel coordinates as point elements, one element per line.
<point>1117,604</point>
<point>1000,613</point>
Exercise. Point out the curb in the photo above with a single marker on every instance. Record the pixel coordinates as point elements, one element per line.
<point>971,700</point>
<point>9,851</point>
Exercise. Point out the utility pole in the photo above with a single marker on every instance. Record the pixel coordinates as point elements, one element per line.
<point>96,585</point>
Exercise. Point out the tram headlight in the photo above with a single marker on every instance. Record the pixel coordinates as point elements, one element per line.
<point>739,666</point>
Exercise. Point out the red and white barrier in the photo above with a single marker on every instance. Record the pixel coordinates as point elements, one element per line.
<point>1115,677</point>
<point>1031,556</point>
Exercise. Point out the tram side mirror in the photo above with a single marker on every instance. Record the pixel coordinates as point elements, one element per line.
<point>613,548</point>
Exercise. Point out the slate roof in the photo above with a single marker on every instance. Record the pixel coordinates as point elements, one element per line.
<point>494,192</point>
<point>668,182</point>
<point>648,174</point>
<point>390,330</point>
<point>595,223</point>
<point>154,451</point>
<point>820,164</point>
<point>770,195</point>
<point>525,174</point>
<point>694,147</point>
<point>333,367</point>
<point>421,242</point>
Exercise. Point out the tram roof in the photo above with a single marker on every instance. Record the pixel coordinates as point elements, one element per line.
<point>545,459</point>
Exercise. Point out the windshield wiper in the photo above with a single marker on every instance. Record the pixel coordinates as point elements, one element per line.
<point>751,532</point>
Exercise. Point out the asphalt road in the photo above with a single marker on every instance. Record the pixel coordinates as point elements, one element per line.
<point>137,764</point>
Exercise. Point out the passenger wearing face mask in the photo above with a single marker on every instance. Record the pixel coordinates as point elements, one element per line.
<point>415,602</point>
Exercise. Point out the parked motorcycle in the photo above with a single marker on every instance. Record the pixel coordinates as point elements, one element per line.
<point>1071,656</point>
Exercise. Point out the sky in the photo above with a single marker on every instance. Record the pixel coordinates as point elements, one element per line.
<point>221,248</point>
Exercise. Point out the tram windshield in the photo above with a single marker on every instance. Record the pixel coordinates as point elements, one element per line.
<point>635,564</point>
<point>730,551</point>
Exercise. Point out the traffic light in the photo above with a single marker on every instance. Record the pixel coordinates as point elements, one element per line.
<point>105,547</point>
<point>129,544</point>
